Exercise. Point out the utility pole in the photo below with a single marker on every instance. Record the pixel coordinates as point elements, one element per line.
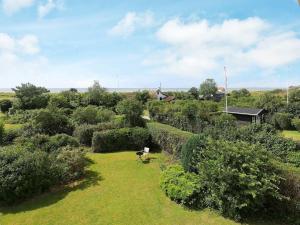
<point>226,84</point>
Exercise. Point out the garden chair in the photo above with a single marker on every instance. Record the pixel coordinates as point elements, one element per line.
<point>142,153</point>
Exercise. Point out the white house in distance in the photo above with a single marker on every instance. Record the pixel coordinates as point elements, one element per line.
<point>163,96</point>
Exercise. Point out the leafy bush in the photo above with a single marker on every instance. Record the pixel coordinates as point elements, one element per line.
<point>92,115</point>
<point>170,139</point>
<point>143,96</point>
<point>120,139</point>
<point>61,140</point>
<point>180,186</point>
<point>26,171</point>
<point>31,97</point>
<point>51,122</point>
<point>70,164</point>
<point>1,132</point>
<point>5,105</point>
<point>10,135</point>
<point>84,133</point>
<point>191,152</point>
<point>296,123</point>
<point>283,121</point>
<point>132,110</point>
<point>23,174</point>
<point>294,158</point>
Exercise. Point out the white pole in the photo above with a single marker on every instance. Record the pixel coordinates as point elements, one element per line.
<point>226,102</point>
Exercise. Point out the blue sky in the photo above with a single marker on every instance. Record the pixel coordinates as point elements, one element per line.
<point>139,43</point>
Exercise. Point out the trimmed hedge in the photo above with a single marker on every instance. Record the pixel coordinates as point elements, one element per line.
<point>170,139</point>
<point>85,132</point>
<point>120,139</point>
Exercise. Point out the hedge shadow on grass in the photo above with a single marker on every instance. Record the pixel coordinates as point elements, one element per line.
<point>53,196</point>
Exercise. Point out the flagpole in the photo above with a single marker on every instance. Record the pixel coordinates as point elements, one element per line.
<point>226,81</point>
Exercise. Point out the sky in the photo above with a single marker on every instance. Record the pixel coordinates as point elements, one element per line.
<point>142,43</point>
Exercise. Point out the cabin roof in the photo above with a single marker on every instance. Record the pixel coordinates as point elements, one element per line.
<point>244,111</point>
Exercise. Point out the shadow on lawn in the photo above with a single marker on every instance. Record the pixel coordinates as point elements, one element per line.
<point>56,194</point>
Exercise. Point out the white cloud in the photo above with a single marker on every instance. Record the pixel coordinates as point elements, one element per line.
<point>198,48</point>
<point>131,22</point>
<point>29,44</point>
<point>48,7</point>
<point>13,6</point>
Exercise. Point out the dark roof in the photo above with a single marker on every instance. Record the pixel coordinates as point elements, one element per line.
<point>169,98</point>
<point>244,111</point>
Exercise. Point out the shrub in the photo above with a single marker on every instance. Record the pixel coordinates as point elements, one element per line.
<point>31,97</point>
<point>238,177</point>
<point>170,139</point>
<point>191,152</point>
<point>294,158</point>
<point>23,174</point>
<point>5,105</point>
<point>120,139</point>
<point>61,140</point>
<point>180,186</point>
<point>1,132</point>
<point>84,133</point>
<point>132,110</point>
<point>10,135</point>
<point>70,164</point>
<point>51,122</point>
<point>91,115</point>
<point>143,96</point>
<point>296,123</point>
<point>283,121</point>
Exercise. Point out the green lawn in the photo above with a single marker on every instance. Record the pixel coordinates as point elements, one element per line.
<point>295,135</point>
<point>118,190</point>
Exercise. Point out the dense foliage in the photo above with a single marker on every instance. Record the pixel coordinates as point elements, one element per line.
<point>168,138</point>
<point>119,139</point>
<point>234,179</point>
<point>27,172</point>
<point>5,105</point>
<point>31,97</point>
<point>208,88</point>
<point>180,186</point>
<point>92,115</point>
<point>132,110</point>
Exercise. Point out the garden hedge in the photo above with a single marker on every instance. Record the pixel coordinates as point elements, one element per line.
<point>170,139</point>
<point>120,139</point>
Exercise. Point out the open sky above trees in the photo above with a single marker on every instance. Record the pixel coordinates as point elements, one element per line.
<point>64,43</point>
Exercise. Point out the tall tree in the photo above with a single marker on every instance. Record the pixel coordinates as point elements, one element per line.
<point>208,88</point>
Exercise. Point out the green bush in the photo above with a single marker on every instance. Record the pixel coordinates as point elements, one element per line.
<point>283,121</point>
<point>50,122</point>
<point>27,171</point>
<point>70,164</point>
<point>23,174</point>
<point>120,139</point>
<point>10,135</point>
<point>84,133</point>
<point>1,132</point>
<point>180,186</point>
<point>169,139</point>
<point>296,123</point>
<point>294,158</point>
<point>92,115</point>
<point>61,140</point>
<point>132,110</point>
<point>238,177</point>
<point>5,105</point>
<point>191,152</point>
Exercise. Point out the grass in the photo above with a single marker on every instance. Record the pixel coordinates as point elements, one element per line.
<point>295,135</point>
<point>118,190</point>
<point>4,95</point>
<point>9,126</point>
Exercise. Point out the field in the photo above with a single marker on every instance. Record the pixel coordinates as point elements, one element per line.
<point>295,135</point>
<point>118,190</point>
